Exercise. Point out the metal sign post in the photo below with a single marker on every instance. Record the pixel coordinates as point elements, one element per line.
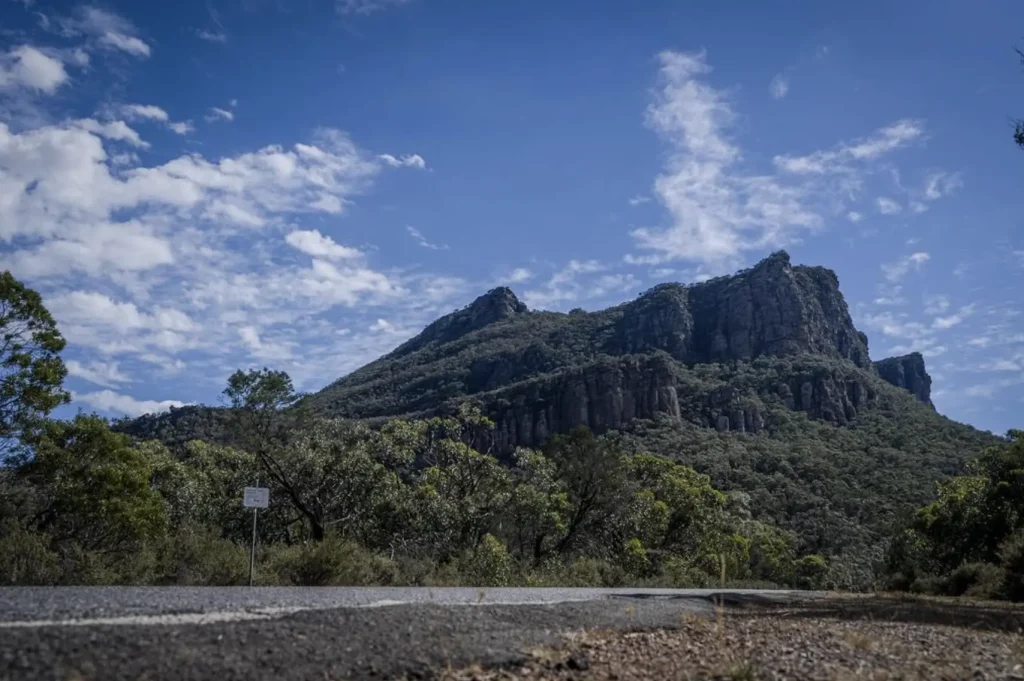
<point>255,498</point>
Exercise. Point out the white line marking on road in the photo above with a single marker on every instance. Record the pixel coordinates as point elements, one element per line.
<point>256,614</point>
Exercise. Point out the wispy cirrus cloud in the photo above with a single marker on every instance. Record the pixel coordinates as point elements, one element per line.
<point>719,208</point>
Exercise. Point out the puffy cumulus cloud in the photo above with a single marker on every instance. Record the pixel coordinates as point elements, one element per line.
<point>112,402</point>
<point>60,194</point>
<point>717,210</point>
<point>28,67</point>
<point>312,242</point>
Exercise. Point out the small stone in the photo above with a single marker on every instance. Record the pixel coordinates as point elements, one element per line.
<point>578,663</point>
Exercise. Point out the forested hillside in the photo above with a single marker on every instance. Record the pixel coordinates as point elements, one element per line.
<point>758,380</point>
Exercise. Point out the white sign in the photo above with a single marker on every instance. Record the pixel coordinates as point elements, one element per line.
<point>256,497</point>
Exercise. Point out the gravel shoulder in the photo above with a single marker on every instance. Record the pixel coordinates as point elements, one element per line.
<point>842,638</point>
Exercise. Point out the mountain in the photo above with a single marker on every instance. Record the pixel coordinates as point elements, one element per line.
<point>539,373</point>
<point>758,379</point>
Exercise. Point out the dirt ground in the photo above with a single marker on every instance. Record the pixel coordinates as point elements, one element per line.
<point>874,638</point>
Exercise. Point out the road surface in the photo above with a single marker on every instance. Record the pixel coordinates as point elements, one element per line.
<point>113,633</point>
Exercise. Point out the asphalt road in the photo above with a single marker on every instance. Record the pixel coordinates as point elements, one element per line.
<point>77,634</point>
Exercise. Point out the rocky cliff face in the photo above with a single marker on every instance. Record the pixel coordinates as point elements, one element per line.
<point>609,394</point>
<point>908,372</point>
<point>772,309</point>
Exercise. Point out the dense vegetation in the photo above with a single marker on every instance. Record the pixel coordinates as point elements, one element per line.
<point>413,502</point>
<point>970,539</point>
<point>429,499</point>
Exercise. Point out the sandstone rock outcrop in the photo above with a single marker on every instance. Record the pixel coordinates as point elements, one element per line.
<point>908,372</point>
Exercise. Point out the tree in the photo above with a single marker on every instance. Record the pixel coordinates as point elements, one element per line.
<point>31,371</point>
<point>89,486</point>
<point>593,471</point>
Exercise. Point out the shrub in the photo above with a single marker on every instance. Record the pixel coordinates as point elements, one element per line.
<point>975,580</point>
<point>1011,560</point>
<point>331,562</point>
<point>811,571</point>
<point>201,557</point>
<point>489,565</point>
<point>26,558</point>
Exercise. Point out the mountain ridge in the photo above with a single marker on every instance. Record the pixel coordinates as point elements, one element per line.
<point>773,309</point>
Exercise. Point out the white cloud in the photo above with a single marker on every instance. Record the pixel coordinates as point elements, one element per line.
<point>918,207</point>
<point>887,206</point>
<point>936,304</point>
<point>110,401</point>
<point>151,112</point>
<point>367,6</point>
<point>182,127</point>
<point>779,86</point>
<point>716,211</point>
<point>422,240</point>
<point>895,271</point>
<point>144,111</point>
<point>219,114</point>
<point>941,184</point>
<point>854,217</point>
<point>382,326</point>
<point>125,43</point>
<point>106,374</point>
<point>27,67</point>
<point>564,286</point>
<point>639,200</point>
<point>404,161</point>
<point>211,36</point>
<point>952,320</point>
<point>519,275</point>
<point>312,242</point>
<point>840,158</point>
<point>78,307</point>
<point>110,30</point>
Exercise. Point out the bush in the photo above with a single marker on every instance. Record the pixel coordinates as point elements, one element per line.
<point>679,573</point>
<point>1011,560</point>
<point>331,562</point>
<point>488,565</point>
<point>976,580</point>
<point>200,557</point>
<point>810,572</point>
<point>26,558</point>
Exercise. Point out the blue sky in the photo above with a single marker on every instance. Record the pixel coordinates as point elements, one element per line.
<point>200,186</point>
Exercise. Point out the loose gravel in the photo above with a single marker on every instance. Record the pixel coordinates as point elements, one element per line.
<point>775,646</point>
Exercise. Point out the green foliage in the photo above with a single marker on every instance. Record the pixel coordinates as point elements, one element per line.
<point>970,539</point>
<point>198,556</point>
<point>330,562</point>
<point>91,487</point>
<point>489,564</point>
<point>31,371</point>
<point>1011,561</point>
<point>25,557</point>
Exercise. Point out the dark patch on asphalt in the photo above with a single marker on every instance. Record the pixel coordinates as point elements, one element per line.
<point>347,643</point>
